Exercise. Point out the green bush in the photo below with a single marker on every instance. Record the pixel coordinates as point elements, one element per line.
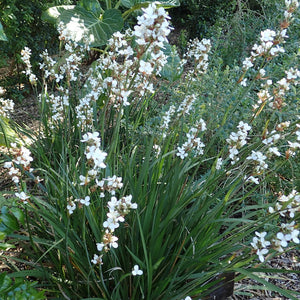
<point>196,16</point>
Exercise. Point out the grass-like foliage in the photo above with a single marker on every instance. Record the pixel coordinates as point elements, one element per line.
<point>154,176</point>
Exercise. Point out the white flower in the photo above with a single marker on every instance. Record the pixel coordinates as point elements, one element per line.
<point>85,201</point>
<point>71,207</point>
<point>244,82</point>
<point>84,180</point>
<point>100,246</point>
<point>284,238</point>
<point>110,223</point>
<point>262,240</point>
<point>219,163</point>
<point>267,35</point>
<point>22,196</point>
<point>247,64</point>
<point>96,259</point>
<point>145,68</point>
<point>136,271</point>
<point>252,179</point>
<point>261,253</point>
<point>294,236</point>
<point>274,150</point>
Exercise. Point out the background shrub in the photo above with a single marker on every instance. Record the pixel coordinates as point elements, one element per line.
<point>23,26</point>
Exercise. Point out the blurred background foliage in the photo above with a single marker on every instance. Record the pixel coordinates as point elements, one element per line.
<point>23,26</point>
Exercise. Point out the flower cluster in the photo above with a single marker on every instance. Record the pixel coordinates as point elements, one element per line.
<point>260,245</point>
<point>21,162</point>
<point>94,155</point>
<point>118,209</point>
<point>283,85</point>
<point>198,52</point>
<point>118,74</point>
<point>287,207</point>
<point>259,160</point>
<point>270,41</point>
<point>6,107</point>
<point>110,184</point>
<point>63,72</point>
<point>186,105</point>
<point>184,108</point>
<point>167,117</point>
<point>273,137</point>
<point>151,32</point>
<point>25,56</point>
<point>237,140</point>
<point>193,143</point>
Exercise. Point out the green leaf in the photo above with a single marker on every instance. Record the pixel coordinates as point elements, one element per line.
<point>92,6</point>
<point>2,34</point>
<point>7,134</point>
<point>5,282</point>
<point>2,235</point>
<point>10,221</point>
<point>172,70</point>
<point>19,214</point>
<point>5,246</point>
<point>53,14</point>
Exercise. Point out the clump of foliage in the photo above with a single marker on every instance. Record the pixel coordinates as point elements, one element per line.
<point>197,16</point>
<point>19,289</point>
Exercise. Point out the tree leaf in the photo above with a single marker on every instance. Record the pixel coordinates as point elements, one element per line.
<point>81,22</point>
<point>53,14</point>
<point>92,6</point>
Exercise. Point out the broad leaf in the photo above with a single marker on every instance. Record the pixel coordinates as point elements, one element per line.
<point>92,6</point>
<point>2,34</point>
<point>53,14</point>
<point>81,22</point>
<point>10,222</point>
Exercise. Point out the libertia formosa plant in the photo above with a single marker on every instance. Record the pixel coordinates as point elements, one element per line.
<point>138,200</point>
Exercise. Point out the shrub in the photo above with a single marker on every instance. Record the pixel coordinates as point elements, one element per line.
<point>23,26</point>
